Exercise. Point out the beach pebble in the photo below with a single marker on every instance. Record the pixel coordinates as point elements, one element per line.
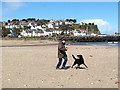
<point>111,78</point>
<point>25,85</point>
<point>99,80</point>
<point>62,85</point>
<point>89,74</point>
<point>52,82</point>
<point>8,79</point>
<point>42,81</point>
<point>91,56</point>
<point>92,83</point>
<point>68,78</point>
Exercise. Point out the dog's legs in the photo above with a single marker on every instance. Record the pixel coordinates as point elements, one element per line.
<point>74,64</point>
<point>85,65</point>
<point>78,66</point>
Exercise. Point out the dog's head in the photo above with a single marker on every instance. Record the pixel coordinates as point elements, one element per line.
<point>80,56</point>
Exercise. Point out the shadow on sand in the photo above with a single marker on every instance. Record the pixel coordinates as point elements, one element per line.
<point>80,67</point>
<point>66,68</point>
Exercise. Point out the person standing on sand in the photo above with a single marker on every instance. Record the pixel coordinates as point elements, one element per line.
<point>62,54</point>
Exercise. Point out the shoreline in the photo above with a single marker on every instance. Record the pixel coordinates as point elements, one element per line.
<point>31,43</point>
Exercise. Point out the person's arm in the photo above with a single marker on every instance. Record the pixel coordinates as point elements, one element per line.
<point>62,48</point>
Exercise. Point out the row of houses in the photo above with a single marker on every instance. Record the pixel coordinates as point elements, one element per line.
<point>39,32</point>
<point>54,24</point>
<point>50,28</point>
<point>50,32</point>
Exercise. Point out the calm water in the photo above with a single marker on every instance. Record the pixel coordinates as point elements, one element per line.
<point>96,43</point>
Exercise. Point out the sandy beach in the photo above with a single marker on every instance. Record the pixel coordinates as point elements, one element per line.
<point>31,64</point>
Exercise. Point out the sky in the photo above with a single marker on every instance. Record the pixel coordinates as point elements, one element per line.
<point>104,14</point>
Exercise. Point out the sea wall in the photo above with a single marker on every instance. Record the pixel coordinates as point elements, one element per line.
<point>90,38</point>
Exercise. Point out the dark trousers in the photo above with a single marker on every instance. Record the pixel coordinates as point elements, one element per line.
<point>60,62</point>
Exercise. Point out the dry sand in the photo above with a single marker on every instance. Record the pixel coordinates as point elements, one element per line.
<point>34,66</point>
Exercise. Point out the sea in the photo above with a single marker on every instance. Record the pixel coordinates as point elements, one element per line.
<point>113,43</point>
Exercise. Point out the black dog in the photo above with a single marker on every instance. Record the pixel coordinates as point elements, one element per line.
<point>78,61</point>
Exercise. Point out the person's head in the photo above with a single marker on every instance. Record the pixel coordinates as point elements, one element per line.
<point>63,42</point>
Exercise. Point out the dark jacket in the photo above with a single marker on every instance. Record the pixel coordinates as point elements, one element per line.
<point>61,50</point>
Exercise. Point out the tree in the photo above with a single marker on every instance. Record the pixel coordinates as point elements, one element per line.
<point>64,28</point>
<point>67,27</point>
<point>71,20</point>
<point>42,22</point>
<point>89,23</point>
<point>31,19</point>
<point>5,31</point>
<point>74,20</point>
<point>93,24</point>
<point>24,20</point>
<point>17,30</point>
<point>27,27</point>
<point>14,21</point>
<point>8,21</point>
<point>17,20</point>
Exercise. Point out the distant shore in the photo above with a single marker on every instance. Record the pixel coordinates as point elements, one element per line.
<point>31,43</point>
<point>70,38</point>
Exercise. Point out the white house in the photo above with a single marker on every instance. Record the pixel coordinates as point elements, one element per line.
<point>57,31</point>
<point>34,32</point>
<point>50,25</point>
<point>39,27</point>
<point>78,33</point>
<point>60,22</point>
<point>102,35</point>
<point>69,22</point>
<point>93,34</point>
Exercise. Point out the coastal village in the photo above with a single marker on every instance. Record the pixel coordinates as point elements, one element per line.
<point>35,28</point>
<point>32,27</point>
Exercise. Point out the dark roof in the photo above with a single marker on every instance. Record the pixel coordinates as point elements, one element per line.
<point>49,30</point>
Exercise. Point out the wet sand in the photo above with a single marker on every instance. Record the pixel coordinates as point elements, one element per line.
<point>28,64</point>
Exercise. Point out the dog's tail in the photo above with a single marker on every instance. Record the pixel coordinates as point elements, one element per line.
<point>73,57</point>
<point>85,65</point>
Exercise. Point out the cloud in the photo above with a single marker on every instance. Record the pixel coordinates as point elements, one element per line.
<point>13,5</point>
<point>103,25</point>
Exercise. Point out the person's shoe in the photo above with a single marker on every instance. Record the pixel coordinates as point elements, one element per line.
<point>63,68</point>
<point>57,68</point>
